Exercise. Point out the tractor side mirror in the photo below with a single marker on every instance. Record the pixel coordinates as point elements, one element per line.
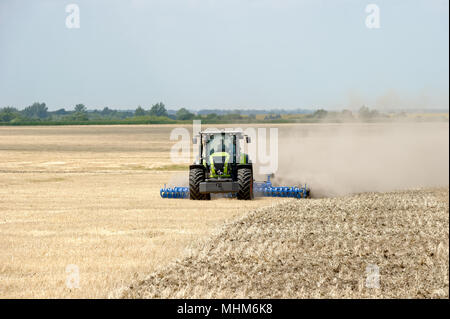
<point>248,139</point>
<point>194,140</point>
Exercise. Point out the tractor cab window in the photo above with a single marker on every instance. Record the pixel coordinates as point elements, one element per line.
<point>220,143</point>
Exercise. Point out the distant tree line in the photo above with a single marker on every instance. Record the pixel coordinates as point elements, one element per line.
<point>38,113</point>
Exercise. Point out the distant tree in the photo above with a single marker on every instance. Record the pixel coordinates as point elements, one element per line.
<point>346,115</point>
<point>36,111</point>
<point>231,117</point>
<point>320,114</point>
<point>211,116</point>
<point>77,116</point>
<point>106,111</point>
<point>9,109</point>
<point>80,108</point>
<point>375,114</point>
<point>158,109</point>
<point>183,114</point>
<point>60,112</point>
<point>7,114</point>
<point>366,114</point>
<point>139,111</point>
<point>252,116</point>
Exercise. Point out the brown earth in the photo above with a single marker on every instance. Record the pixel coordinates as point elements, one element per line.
<point>319,248</point>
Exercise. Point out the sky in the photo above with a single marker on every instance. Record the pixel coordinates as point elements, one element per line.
<point>225,54</point>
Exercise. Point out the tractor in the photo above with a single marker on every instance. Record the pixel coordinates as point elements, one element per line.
<point>221,166</point>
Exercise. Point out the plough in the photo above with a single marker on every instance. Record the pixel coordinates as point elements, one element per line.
<point>260,189</point>
<point>266,189</point>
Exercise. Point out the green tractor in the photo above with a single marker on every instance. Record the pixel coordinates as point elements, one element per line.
<point>221,167</point>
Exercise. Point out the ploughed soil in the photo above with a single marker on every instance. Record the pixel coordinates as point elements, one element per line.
<point>369,245</point>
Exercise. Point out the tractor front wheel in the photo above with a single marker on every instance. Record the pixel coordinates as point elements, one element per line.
<point>245,180</point>
<point>196,176</point>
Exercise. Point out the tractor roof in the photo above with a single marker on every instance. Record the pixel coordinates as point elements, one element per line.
<point>226,131</point>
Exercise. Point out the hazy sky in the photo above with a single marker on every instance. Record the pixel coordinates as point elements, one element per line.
<point>225,54</point>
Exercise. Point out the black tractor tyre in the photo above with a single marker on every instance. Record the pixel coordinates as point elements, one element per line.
<point>196,176</point>
<point>245,181</point>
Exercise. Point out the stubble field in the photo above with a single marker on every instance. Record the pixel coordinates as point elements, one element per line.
<point>89,196</point>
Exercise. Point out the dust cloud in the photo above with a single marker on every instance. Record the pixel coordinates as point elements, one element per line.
<point>338,159</point>
<point>180,179</point>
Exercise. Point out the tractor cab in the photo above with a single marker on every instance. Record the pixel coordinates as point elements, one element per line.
<point>219,152</point>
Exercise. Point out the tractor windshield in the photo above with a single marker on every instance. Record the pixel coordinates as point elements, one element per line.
<point>220,143</point>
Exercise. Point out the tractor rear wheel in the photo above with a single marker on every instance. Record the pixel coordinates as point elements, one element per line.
<point>196,176</point>
<point>245,181</point>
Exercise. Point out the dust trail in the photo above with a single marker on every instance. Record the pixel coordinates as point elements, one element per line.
<point>179,179</point>
<point>351,158</point>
